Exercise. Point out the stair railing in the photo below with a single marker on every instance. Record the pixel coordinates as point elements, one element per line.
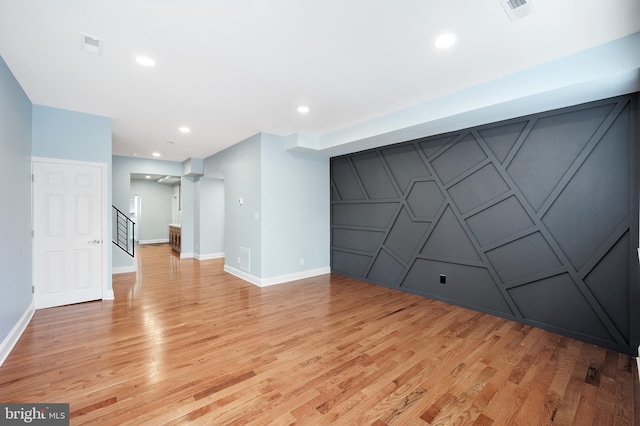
<point>123,231</point>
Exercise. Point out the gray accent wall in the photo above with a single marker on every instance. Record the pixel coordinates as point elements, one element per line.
<point>15,211</point>
<point>533,219</point>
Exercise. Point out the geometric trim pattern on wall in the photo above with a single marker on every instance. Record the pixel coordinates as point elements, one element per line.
<point>533,219</point>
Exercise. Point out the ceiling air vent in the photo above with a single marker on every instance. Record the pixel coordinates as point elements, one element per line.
<point>92,44</point>
<point>518,9</point>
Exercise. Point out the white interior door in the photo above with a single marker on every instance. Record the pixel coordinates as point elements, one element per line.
<point>67,239</point>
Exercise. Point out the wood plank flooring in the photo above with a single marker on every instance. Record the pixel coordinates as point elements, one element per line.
<point>184,342</point>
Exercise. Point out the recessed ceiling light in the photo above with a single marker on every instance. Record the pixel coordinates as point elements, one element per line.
<point>148,177</point>
<point>156,154</point>
<point>184,129</point>
<point>445,41</point>
<point>145,61</point>
<point>303,109</point>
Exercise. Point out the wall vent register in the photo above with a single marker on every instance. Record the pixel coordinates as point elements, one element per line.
<point>518,9</point>
<point>91,44</point>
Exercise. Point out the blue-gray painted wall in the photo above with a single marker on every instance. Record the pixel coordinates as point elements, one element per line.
<point>70,135</point>
<point>210,220</point>
<point>295,209</point>
<point>15,219</point>
<point>155,199</point>
<point>240,166</point>
<point>284,215</point>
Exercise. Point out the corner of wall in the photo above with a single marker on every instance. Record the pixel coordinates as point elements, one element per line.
<point>6,346</point>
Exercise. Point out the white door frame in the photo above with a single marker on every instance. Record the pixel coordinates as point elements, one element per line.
<point>107,293</point>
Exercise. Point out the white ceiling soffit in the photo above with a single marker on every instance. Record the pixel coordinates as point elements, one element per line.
<point>163,179</point>
<point>229,69</point>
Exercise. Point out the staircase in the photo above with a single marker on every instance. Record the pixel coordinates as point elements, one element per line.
<point>122,234</point>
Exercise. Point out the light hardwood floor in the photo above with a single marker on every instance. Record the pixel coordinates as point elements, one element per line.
<point>184,342</point>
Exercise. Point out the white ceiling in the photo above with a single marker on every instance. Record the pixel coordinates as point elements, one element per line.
<point>231,68</point>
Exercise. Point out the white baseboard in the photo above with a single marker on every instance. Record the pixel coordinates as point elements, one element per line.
<point>209,256</point>
<point>186,255</point>
<point>6,346</point>
<point>242,275</point>
<point>295,276</point>
<point>264,282</point>
<point>124,269</point>
<point>158,241</point>
<point>109,295</point>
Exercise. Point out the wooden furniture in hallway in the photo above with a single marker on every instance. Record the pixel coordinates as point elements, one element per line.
<point>186,342</point>
<point>175,237</point>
